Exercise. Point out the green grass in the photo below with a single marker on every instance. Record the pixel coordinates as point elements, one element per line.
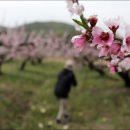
<point>96,103</point>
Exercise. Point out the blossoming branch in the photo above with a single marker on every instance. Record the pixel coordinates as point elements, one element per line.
<point>109,45</point>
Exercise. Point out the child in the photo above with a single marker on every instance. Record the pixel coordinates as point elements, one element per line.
<point>66,79</point>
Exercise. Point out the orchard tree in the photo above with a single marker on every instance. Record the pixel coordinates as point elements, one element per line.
<point>5,49</point>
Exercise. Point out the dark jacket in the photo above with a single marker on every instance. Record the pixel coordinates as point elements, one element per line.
<point>66,79</point>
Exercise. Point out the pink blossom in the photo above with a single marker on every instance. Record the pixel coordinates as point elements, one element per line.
<point>115,48</point>
<point>123,51</point>
<point>93,20</point>
<point>103,51</point>
<point>5,39</point>
<point>125,64</point>
<point>113,24</point>
<point>79,41</point>
<point>70,6</point>
<point>101,38</point>
<point>74,8</point>
<point>78,9</point>
<point>127,38</point>
<point>115,61</point>
<point>116,51</point>
<point>112,68</point>
<point>121,55</point>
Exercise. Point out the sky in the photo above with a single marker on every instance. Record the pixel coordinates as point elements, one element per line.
<point>19,12</point>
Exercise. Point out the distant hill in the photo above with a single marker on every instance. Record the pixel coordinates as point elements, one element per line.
<point>2,28</point>
<point>58,27</point>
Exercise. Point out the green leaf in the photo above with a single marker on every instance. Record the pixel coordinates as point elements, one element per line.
<point>84,21</point>
<point>79,23</point>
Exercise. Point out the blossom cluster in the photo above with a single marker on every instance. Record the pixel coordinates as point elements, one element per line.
<point>110,46</point>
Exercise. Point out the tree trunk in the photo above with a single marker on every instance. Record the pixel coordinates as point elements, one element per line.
<point>1,73</point>
<point>23,65</point>
<point>39,60</point>
<point>126,78</point>
<point>93,67</point>
<point>33,62</point>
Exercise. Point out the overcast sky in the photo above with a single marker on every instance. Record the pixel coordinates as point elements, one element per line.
<point>18,12</point>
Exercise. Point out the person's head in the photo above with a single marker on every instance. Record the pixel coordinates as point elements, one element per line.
<point>69,64</point>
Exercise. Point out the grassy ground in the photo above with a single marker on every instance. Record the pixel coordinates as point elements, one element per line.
<point>27,100</point>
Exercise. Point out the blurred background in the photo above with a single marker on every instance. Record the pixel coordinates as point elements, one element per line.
<point>35,41</point>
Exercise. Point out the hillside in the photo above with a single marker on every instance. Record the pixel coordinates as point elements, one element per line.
<point>57,27</point>
<point>2,28</point>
